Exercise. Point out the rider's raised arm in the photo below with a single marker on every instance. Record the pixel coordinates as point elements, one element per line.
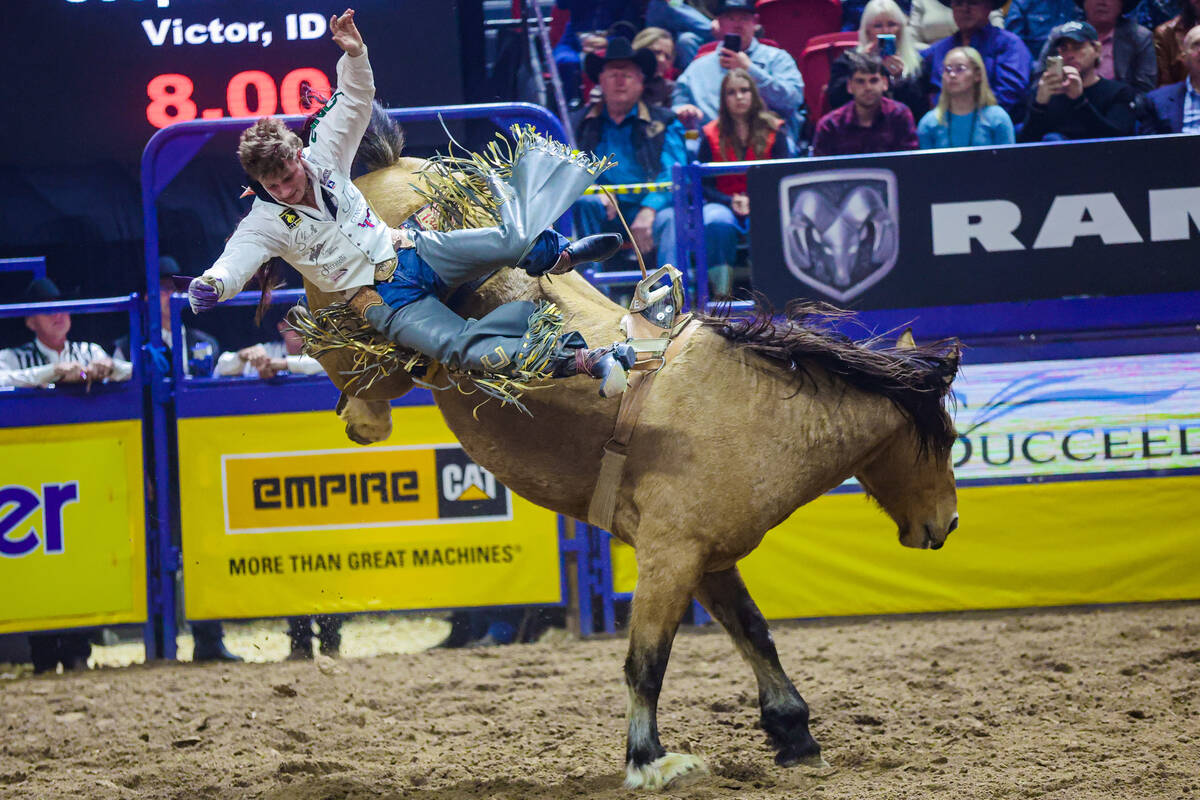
<point>340,125</point>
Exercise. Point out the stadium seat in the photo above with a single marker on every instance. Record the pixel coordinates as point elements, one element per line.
<point>708,47</point>
<point>815,64</point>
<point>794,22</point>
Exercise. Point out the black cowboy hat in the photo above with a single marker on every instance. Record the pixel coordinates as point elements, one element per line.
<point>41,290</point>
<point>619,49</point>
<point>170,273</point>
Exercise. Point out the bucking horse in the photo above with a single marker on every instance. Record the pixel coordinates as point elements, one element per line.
<point>754,417</point>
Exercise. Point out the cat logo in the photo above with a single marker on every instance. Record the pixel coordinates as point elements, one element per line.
<point>466,489</point>
<point>290,218</point>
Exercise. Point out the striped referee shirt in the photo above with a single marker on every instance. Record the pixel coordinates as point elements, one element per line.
<point>32,364</point>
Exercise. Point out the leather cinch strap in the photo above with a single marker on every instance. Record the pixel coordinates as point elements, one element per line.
<point>612,465</point>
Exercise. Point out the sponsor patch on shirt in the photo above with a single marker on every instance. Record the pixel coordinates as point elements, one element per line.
<point>326,180</point>
<point>366,222</point>
<point>290,218</point>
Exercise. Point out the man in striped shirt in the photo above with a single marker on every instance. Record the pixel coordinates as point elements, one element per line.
<point>50,359</point>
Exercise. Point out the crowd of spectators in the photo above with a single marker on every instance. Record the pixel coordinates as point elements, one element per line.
<point>661,87</point>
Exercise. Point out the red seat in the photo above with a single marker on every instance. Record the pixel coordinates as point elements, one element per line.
<point>815,64</point>
<point>708,47</point>
<point>794,22</point>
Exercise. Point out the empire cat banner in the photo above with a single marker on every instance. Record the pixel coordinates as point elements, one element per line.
<point>72,526</point>
<point>1077,484</point>
<point>283,516</point>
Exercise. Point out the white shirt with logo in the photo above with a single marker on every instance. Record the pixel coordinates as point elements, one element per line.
<point>336,245</point>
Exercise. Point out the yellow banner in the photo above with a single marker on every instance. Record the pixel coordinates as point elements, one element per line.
<point>281,517</point>
<point>1047,544</point>
<point>72,526</point>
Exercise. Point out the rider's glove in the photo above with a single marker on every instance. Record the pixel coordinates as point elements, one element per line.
<point>203,293</point>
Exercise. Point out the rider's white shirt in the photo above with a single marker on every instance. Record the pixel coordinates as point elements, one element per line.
<point>336,245</point>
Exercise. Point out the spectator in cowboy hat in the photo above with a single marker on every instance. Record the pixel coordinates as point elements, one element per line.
<point>168,268</point>
<point>1005,56</point>
<point>1177,105</point>
<point>645,140</point>
<point>697,95</point>
<point>1080,104</point>
<point>49,358</point>
<point>1126,48</point>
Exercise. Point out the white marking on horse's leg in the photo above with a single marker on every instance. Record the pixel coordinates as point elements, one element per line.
<point>660,773</point>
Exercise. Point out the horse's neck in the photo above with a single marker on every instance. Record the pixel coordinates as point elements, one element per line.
<point>827,429</point>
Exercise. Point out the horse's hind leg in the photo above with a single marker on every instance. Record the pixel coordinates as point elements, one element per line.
<point>664,590</point>
<point>784,712</point>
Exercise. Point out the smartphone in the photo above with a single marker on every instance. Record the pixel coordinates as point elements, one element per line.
<point>887,44</point>
<point>1054,66</point>
<point>732,42</point>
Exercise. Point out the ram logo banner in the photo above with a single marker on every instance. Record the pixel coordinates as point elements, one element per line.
<point>351,489</point>
<point>841,232</point>
<point>1078,419</point>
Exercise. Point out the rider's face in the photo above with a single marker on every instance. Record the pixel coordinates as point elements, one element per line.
<point>289,184</point>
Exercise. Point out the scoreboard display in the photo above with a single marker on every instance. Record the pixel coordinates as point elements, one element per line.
<point>94,79</point>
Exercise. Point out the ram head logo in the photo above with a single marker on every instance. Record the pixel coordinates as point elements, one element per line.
<point>840,231</point>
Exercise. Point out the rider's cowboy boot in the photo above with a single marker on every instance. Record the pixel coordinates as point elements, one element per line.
<point>496,343</point>
<point>599,247</point>
<point>610,365</point>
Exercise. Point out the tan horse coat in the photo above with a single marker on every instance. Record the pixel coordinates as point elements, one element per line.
<point>725,449</point>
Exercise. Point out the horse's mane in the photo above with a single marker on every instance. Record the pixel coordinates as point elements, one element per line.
<point>382,143</point>
<point>915,379</point>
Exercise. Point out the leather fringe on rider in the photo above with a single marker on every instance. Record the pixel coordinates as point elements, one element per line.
<point>308,212</point>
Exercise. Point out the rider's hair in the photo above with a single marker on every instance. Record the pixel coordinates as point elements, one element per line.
<point>266,146</point>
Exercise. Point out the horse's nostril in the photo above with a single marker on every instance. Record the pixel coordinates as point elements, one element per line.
<point>953,525</point>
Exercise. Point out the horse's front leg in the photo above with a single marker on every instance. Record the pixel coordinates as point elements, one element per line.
<point>662,596</point>
<point>784,712</point>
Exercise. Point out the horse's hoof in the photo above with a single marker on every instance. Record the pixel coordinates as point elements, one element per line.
<point>787,758</point>
<point>660,773</point>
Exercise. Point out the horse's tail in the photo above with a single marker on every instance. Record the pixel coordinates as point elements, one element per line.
<point>383,143</point>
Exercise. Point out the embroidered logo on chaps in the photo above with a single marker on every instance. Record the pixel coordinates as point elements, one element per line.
<point>502,359</point>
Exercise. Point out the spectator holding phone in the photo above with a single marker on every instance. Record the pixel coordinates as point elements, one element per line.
<point>697,96</point>
<point>967,114</point>
<point>1072,100</point>
<point>884,33</point>
<point>872,123</point>
<point>1126,48</point>
<point>744,130</point>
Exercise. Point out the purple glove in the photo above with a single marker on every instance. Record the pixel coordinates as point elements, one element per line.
<point>203,294</point>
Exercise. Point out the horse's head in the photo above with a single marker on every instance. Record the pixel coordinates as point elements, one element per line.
<point>910,474</point>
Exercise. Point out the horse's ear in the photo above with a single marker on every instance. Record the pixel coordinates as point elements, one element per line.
<point>950,366</point>
<point>906,342</point>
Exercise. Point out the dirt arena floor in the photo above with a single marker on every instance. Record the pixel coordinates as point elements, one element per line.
<point>1091,703</point>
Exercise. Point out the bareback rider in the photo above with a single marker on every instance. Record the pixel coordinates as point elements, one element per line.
<point>308,212</point>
